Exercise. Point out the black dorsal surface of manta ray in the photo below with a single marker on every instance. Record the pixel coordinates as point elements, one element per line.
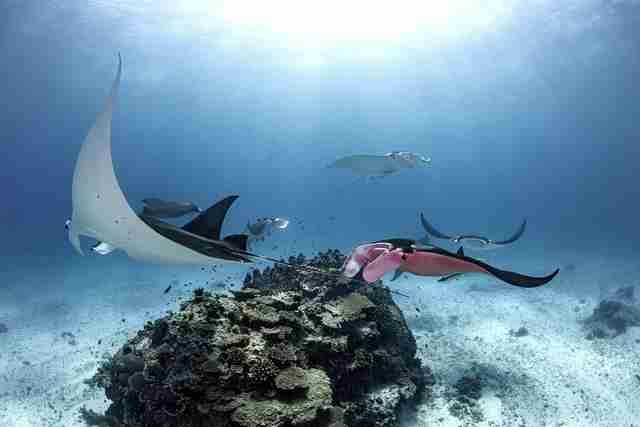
<point>202,234</point>
<point>208,224</point>
<point>168,209</point>
<point>474,241</point>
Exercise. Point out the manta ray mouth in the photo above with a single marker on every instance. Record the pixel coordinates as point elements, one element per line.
<point>475,239</point>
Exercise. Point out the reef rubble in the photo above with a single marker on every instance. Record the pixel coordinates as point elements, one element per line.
<point>292,347</point>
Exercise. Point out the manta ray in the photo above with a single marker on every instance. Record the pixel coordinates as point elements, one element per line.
<point>167,209</point>
<point>467,240</point>
<point>373,260</point>
<point>196,234</point>
<point>101,211</point>
<point>376,166</point>
<point>152,207</point>
<point>470,240</point>
<point>263,227</point>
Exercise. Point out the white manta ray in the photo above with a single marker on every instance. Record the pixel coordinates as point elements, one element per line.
<point>100,210</point>
<point>379,166</point>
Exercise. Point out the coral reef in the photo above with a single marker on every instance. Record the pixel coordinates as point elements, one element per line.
<point>3,328</point>
<point>465,400</point>
<point>520,332</point>
<point>292,347</point>
<point>626,295</point>
<point>614,315</point>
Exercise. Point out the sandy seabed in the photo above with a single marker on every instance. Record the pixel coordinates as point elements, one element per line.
<point>61,325</point>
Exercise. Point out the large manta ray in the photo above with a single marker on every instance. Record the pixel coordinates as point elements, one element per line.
<point>101,211</point>
<point>373,260</point>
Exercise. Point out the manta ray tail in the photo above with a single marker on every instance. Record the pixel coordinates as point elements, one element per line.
<point>516,236</point>
<point>209,223</point>
<point>431,230</point>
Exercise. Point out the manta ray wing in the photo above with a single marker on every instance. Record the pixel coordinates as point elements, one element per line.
<point>510,277</point>
<point>519,232</point>
<point>367,165</point>
<point>430,229</point>
<point>100,209</point>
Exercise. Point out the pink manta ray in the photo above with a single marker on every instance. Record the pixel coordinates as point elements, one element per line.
<point>376,259</point>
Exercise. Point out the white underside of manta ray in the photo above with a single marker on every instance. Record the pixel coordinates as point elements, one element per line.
<point>368,165</point>
<point>101,211</point>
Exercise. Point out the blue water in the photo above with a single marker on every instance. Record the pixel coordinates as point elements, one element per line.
<point>533,115</point>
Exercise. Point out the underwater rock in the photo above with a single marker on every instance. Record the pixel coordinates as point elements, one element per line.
<point>468,390</point>
<point>624,295</point>
<point>69,338</point>
<point>520,332</point>
<point>426,322</point>
<point>610,319</point>
<point>3,328</point>
<point>469,387</point>
<point>290,348</point>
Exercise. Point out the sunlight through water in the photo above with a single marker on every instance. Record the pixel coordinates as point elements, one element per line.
<point>329,22</point>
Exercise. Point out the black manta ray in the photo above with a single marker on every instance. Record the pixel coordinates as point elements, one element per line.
<point>202,234</point>
<point>471,240</point>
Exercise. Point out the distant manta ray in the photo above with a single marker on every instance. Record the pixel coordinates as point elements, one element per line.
<point>368,165</point>
<point>471,240</point>
<point>468,240</point>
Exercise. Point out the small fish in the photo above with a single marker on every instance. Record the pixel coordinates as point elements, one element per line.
<point>166,291</point>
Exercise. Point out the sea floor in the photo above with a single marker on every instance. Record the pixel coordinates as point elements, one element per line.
<point>63,320</point>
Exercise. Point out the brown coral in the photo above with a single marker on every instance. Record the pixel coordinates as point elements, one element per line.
<point>289,348</point>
